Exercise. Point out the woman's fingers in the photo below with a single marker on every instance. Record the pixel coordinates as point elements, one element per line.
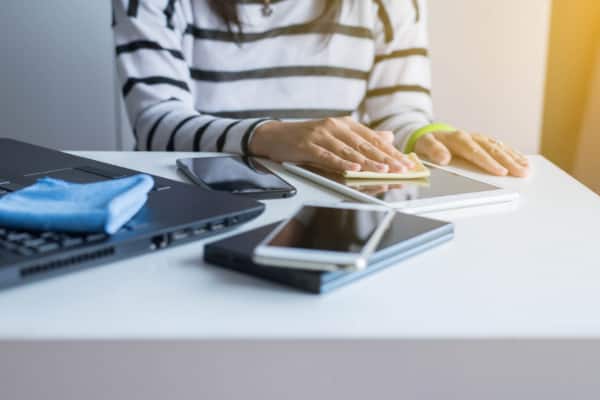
<point>393,156</point>
<point>497,151</point>
<point>368,150</point>
<point>387,136</point>
<point>521,159</point>
<point>433,150</point>
<point>489,154</point>
<point>463,145</point>
<point>325,159</point>
<point>347,153</point>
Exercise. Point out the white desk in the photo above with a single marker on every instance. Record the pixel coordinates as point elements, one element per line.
<point>532,271</point>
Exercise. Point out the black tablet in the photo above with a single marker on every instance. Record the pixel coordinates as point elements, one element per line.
<point>407,236</point>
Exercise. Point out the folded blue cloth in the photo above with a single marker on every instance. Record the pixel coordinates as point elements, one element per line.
<point>55,205</point>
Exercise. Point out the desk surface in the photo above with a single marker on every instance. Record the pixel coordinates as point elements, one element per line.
<point>532,270</point>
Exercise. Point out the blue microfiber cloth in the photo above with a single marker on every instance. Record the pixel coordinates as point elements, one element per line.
<point>59,206</point>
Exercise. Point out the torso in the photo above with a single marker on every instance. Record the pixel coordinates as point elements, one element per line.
<point>278,62</point>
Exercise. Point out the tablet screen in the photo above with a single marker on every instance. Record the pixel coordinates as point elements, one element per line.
<point>329,229</point>
<point>440,183</point>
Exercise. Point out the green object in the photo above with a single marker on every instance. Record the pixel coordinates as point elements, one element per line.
<point>438,127</point>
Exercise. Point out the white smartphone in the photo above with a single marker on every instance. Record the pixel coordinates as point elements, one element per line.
<point>326,237</point>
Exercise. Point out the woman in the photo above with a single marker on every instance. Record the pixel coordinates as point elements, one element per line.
<point>339,84</point>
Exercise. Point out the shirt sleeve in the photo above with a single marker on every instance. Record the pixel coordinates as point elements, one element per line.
<point>398,95</point>
<point>157,86</point>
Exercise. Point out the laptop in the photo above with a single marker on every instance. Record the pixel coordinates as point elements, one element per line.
<point>176,213</point>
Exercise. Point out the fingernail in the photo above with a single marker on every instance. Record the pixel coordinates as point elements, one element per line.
<point>382,167</point>
<point>402,167</point>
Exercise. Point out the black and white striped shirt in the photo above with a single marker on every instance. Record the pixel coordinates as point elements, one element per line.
<point>191,85</point>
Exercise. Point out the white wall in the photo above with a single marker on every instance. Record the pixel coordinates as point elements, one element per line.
<point>489,65</point>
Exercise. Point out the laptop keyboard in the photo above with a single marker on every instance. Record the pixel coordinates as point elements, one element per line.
<point>10,187</point>
<point>31,243</point>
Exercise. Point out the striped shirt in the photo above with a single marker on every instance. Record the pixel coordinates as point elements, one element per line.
<point>190,84</point>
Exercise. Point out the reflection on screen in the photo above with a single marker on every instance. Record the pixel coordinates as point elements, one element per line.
<point>405,227</point>
<point>236,175</point>
<point>329,229</point>
<point>440,183</point>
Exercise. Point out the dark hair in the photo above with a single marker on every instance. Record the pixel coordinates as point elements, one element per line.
<point>227,10</point>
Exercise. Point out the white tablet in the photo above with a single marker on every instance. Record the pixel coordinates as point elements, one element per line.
<point>326,237</point>
<point>443,190</point>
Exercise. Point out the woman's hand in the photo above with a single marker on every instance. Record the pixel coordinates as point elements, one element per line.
<point>487,153</point>
<point>335,144</point>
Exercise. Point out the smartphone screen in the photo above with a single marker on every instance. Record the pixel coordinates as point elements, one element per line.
<point>329,229</point>
<point>238,175</point>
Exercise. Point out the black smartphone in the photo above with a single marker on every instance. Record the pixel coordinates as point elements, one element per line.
<point>243,176</point>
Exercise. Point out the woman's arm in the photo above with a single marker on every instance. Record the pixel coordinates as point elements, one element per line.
<point>157,86</point>
<point>399,96</point>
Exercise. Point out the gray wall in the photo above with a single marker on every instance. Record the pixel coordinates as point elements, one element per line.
<point>57,74</point>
